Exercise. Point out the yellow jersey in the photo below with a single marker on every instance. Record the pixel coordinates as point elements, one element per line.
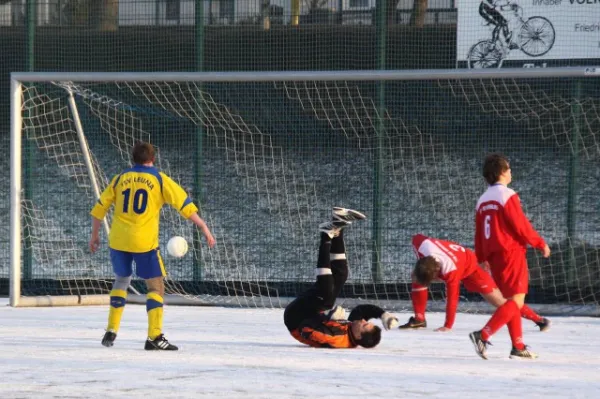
<point>138,194</point>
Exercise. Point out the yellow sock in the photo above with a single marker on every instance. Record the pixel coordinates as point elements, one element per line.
<point>118,298</point>
<point>154,307</point>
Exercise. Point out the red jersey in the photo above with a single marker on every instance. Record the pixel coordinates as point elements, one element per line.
<point>457,262</point>
<point>500,224</point>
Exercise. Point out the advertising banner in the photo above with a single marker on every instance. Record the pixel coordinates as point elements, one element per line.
<point>527,33</point>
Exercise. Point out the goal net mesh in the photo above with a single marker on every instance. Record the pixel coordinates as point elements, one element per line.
<point>266,161</point>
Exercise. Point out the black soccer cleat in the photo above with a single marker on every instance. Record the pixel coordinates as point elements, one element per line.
<point>479,344</point>
<point>524,353</point>
<point>544,324</point>
<point>109,338</point>
<point>159,343</point>
<point>333,228</point>
<point>345,214</point>
<point>414,324</point>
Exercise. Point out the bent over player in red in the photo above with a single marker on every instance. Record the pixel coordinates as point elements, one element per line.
<point>453,264</point>
<point>308,318</point>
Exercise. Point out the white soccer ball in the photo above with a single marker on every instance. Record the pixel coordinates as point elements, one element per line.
<point>177,247</point>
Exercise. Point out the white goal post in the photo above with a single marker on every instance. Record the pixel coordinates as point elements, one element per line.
<point>266,154</point>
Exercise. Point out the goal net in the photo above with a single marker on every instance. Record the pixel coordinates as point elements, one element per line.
<point>266,155</point>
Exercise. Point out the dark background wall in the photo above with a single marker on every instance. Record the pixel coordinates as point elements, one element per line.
<point>235,48</point>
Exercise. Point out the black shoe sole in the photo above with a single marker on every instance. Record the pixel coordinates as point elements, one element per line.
<point>405,327</point>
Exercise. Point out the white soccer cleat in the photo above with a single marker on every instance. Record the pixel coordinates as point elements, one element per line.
<point>345,214</point>
<point>333,228</point>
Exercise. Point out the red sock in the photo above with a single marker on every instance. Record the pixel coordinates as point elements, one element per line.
<point>419,300</point>
<point>529,314</point>
<point>515,329</point>
<point>501,316</point>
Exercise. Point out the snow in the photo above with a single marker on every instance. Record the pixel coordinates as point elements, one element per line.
<point>235,352</point>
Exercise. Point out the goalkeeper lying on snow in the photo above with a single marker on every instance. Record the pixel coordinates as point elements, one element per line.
<point>308,317</point>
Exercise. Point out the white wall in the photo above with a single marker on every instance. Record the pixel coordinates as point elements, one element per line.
<point>6,14</point>
<point>15,11</point>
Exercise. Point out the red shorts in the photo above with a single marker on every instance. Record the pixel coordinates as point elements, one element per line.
<point>479,281</point>
<point>510,272</point>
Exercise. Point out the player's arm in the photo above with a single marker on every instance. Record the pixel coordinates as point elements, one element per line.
<point>198,221</point>
<point>479,239</point>
<point>452,296</point>
<point>99,211</point>
<point>500,3</point>
<point>505,5</point>
<point>367,312</point>
<point>522,227</point>
<point>176,196</point>
<point>418,292</point>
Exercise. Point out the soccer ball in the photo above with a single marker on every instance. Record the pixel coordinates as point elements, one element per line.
<point>177,247</point>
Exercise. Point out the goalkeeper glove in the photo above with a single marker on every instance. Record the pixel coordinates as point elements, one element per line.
<point>389,321</point>
<point>336,313</point>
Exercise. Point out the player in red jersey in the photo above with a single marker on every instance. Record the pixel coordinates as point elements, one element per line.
<point>453,264</point>
<point>502,233</point>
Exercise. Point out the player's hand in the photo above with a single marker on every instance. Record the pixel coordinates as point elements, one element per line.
<point>546,251</point>
<point>486,266</point>
<point>94,244</point>
<point>210,240</point>
<point>442,329</point>
<point>389,321</point>
<point>336,313</point>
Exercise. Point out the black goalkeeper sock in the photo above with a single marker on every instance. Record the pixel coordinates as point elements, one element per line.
<point>337,244</point>
<point>325,286</point>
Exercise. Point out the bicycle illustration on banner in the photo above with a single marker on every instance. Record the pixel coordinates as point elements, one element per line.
<point>533,36</point>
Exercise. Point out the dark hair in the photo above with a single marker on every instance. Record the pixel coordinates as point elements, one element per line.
<point>142,153</point>
<point>493,166</point>
<point>369,339</point>
<point>426,269</point>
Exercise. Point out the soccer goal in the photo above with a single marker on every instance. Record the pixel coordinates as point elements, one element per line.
<point>265,155</point>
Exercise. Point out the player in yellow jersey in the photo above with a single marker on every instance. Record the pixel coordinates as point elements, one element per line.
<point>138,194</point>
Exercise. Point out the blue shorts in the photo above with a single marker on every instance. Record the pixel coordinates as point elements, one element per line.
<point>147,264</point>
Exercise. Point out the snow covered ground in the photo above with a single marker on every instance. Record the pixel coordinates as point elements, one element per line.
<point>235,353</point>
